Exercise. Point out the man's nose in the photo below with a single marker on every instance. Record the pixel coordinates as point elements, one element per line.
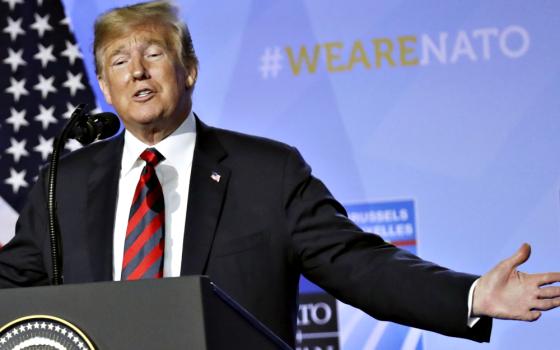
<point>139,69</point>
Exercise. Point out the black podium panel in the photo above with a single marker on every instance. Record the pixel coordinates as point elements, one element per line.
<point>170,313</point>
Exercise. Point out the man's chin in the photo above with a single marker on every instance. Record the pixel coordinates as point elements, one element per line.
<point>142,118</point>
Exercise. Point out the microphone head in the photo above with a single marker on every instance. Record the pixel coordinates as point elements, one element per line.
<point>95,127</point>
<point>109,124</point>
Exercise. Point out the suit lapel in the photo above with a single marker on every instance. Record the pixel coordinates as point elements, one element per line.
<point>208,185</point>
<point>103,184</point>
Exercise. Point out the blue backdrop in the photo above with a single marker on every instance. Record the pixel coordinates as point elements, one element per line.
<point>453,105</point>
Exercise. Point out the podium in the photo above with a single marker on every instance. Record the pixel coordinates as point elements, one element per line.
<point>170,313</point>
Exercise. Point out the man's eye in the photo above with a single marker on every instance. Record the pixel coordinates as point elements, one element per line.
<point>119,62</point>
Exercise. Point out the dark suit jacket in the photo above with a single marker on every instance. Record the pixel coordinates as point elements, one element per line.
<point>254,232</point>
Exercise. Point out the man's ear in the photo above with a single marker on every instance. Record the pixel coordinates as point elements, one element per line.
<point>191,77</point>
<point>190,81</point>
<point>105,89</point>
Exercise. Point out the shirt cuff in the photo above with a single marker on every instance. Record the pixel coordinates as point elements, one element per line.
<point>472,321</point>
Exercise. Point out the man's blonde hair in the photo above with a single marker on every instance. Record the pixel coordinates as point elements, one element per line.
<point>118,22</point>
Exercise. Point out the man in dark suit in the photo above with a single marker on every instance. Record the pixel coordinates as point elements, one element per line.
<point>256,218</point>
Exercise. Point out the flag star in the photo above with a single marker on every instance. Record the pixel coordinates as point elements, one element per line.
<point>72,145</point>
<point>74,82</point>
<point>17,119</point>
<point>14,59</point>
<point>17,88</point>
<point>17,149</point>
<point>16,180</point>
<point>46,117</point>
<point>40,2</point>
<point>14,28</point>
<point>72,52</point>
<point>41,24</point>
<point>13,3</point>
<point>69,110</point>
<point>45,55</point>
<point>45,86</point>
<point>44,147</point>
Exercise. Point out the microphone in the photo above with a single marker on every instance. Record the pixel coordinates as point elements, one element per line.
<point>94,127</point>
<point>85,128</point>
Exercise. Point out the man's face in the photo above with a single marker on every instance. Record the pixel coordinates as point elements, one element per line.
<point>145,82</point>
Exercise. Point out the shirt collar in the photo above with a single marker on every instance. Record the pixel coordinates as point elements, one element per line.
<point>172,147</point>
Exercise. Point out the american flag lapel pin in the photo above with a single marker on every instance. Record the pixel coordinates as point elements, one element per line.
<point>215,176</point>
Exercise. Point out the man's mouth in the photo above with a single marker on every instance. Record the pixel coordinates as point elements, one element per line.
<point>143,94</point>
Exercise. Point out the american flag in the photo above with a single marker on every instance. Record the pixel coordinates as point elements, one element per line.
<point>42,79</point>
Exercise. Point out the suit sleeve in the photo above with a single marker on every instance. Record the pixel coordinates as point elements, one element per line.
<point>362,270</point>
<point>21,260</point>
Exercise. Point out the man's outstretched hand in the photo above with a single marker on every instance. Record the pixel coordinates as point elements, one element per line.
<point>506,293</point>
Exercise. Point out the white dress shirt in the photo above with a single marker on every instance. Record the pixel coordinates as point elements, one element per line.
<point>174,174</point>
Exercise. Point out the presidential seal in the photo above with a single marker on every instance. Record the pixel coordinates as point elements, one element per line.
<point>42,332</point>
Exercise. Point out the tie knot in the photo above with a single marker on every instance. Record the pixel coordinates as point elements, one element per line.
<point>152,156</point>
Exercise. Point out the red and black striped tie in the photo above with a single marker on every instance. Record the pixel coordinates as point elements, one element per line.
<point>145,239</point>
